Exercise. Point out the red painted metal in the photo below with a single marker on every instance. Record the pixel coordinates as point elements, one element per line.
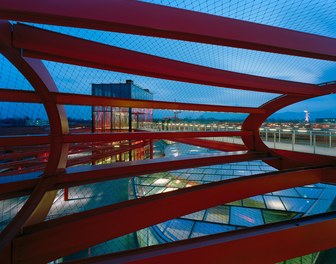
<point>117,136</point>
<point>25,215</point>
<point>24,171</point>
<point>24,140</point>
<point>297,159</point>
<point>77,99</point>
<point>66,194</point>
<point>151,149</point>
<point>8,95</point>
<point>331,88</point>
<point>329,178</point>
<point>36,73</point>
<point>67,232</point>
<point>253,123</point>
<point>88,174</point>
<point>270,243</point>
<point>39,202</point>
<point>19,154</point>
<point>211,144</point>
<point>53,46</point>
<point>106,153</point>
<point>22,163</point>
<point>288,159</point>
<point>132,17</point>
<point>16,189</point>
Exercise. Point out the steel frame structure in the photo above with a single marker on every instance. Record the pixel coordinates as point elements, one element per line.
<point>24,46</point>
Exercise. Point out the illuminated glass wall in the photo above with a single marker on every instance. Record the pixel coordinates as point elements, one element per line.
<point>107,118</point>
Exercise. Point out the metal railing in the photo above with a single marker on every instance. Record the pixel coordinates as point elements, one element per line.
<point>310,140</point>
<point>180,126</point>
<point>306,140</point>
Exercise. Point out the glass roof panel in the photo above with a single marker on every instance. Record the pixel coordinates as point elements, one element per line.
<point>202,229</point>
<point>243,216</point>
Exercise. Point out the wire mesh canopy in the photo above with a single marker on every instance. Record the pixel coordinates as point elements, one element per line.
<point>132,131</point>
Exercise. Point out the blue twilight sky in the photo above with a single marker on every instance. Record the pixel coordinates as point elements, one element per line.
<point>310,16</point>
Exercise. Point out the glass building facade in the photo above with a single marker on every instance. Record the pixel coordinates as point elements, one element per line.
<point>108,118</point>
<point>118,119</point>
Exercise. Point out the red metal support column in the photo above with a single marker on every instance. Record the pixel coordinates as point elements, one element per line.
<point>253,123</point>
<point>66,194</point>
<point>151,149</point>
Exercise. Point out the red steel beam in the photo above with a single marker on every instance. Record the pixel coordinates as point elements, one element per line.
<point>43,44</point>
<point>104,154</point>
<point>329,178</point>
<point>112,221</point>
<point>8,95</point>
<point>270,243</point>
<point>28,140</point>
<point>89,174</point>
<point>78,99</point>
<point>22,163</point>
<point>212,144</point>
<point>17,189</point>
<point>38,76</point>
<point>23,171</point>
<point>132,17</point>
<point>296,159</point>
<point>331,88</point>
<point>16,155</point>
<point>117,136</point>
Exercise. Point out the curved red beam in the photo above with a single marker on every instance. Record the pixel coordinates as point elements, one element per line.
<point>130,16</point>
<point>253,123</point>
<point>40,201</point>
<point>288,159</point>
<point>36,73</point>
